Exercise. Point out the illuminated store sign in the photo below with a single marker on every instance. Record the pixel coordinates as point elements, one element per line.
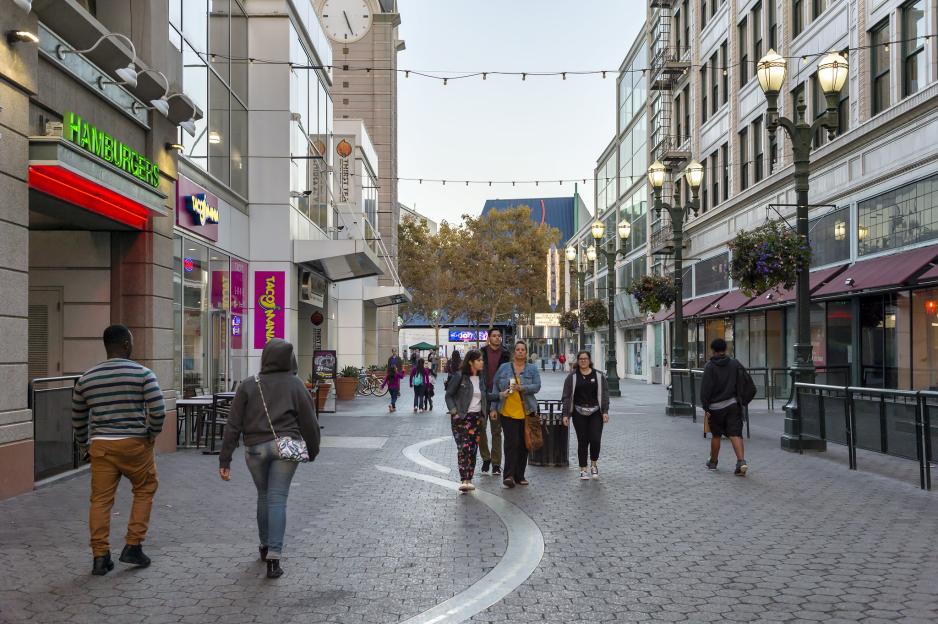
<point>196,209</point>
<point>109,149</point>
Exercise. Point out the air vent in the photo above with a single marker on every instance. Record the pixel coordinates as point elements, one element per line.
<point>38,341</point>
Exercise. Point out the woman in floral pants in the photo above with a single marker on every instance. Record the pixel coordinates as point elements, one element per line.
<point>467,404</point>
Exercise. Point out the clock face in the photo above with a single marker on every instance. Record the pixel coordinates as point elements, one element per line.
<point>346,21</point>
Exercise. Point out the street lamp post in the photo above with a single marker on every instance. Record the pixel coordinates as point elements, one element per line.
<point>578,272</point>
<point>694,175</point>
<point>832,74</point>
<point>624,230</point>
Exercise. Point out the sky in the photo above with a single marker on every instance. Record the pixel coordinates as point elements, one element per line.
<point>504,128</point>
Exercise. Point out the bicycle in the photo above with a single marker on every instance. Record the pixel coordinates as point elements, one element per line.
<point>370,383</point>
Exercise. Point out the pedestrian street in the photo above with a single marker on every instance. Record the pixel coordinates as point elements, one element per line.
<point>376,532</point>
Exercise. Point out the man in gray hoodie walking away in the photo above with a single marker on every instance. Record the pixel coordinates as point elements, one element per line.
<point>719,396</point>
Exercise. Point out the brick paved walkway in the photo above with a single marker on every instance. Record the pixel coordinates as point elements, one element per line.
<point>657,538</point>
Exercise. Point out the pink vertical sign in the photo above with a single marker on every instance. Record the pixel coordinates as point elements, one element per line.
<point>269,313</point>
<point>238,271</point>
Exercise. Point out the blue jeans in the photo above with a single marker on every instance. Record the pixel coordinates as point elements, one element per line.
<point>272,477</point>
<point>394,394</point>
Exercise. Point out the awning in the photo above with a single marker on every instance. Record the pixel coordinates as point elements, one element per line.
<point>778,296</point>
<point>74,189</point>
<point>930,275</point>
<point>380,296</point>
<point>695,306</point>
<point>730,303</point>
<point>338,260</point>
<point>881,272</point>
<point>662,315</point>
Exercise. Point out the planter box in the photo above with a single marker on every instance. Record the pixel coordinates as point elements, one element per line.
<point>345,388</point>
<point>322,393</point>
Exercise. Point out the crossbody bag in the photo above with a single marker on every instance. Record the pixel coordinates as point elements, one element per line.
<point>287,448</point>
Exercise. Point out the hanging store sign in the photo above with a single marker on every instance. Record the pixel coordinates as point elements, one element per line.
<point>196,209</point>
<point>553,276</point>
<point>109,149</point>
<point>547,319</point>
<point>269,306</point>
<point>344,149</point>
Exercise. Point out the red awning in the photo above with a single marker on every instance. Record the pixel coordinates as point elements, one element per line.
<point>730,303</point>
<point>695,306</point>
<point>76,189</point>
<point>929,276</point>
<point>882,272</point>
<point>783,295</point>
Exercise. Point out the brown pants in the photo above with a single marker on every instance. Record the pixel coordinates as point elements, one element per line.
<point>111,459</point>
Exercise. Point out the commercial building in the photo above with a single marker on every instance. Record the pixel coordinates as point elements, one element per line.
<point>406,212</point>
<point>873,187</point>
<point>365,87</point>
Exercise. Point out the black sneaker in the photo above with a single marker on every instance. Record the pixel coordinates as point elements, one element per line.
<point>273,568</point>
<point>496,470</point>
<point>711,465</point>
<point>102,565</point>
<point>741,468</point>
<point>485,466</point>
<point>133,554</point>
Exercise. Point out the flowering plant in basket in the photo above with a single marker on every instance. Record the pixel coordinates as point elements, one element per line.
<point>570,321</point>
<point>651,292</point>
<point>766,257</point>
<point>594,313</point>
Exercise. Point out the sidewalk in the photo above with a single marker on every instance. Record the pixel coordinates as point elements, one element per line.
<point>657,538</point>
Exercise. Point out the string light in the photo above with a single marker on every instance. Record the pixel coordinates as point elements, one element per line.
<point>564,74</point>
<point>484,75</point>
<point>524,76</point>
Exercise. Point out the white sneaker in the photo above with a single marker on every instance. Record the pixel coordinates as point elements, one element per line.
<point>463,487</point>
<point>584,475</point>
<point>594,472</point>
<point>470,487</point>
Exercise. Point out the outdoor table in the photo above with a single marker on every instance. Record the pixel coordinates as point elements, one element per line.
<point>214,399</point>
<point>191,407</point>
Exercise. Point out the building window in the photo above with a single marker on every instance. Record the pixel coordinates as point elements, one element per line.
<point>843,107</point>
<point>773,24</point>
<point>773,153</point>
<point>879,66</point>
<point>743,159</point>
<point>678,129</point>
<point>703,13</point>
<point>757,32</point>
<point>712,274</point>
<point>757,150</point>
<point>830,238</point>
<point>724,62</point>
<point>725,156</point>
<point>817,7</point>
<point>714,175</point>
<point>914,63</point>
<point>742,29</point>
<point>686,12</point>
<point>901,217</point>
<point>820,107</point>
<point>677,29</point>
<point>686,99</point>
<point>703,94</point>
<point>714,84</point>
<point>797,17</point>
<point>797,95</point>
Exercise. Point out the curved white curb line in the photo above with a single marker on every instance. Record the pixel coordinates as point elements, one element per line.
<point>412,453</point>
<point>521,558</point>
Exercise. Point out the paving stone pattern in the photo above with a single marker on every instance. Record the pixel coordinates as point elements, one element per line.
<point>657,538</point>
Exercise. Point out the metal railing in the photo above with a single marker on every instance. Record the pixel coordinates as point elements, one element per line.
<point>55,451</point>
<point>891,422</point>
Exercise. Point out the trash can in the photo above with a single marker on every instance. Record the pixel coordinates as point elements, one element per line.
<point>556,448</point>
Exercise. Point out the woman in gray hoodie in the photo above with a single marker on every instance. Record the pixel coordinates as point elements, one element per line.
<point>292,415</point>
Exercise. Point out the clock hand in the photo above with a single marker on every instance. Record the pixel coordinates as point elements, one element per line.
<point>350,31</point>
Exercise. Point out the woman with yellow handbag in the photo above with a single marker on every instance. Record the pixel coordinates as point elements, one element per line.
<point>517,383</point>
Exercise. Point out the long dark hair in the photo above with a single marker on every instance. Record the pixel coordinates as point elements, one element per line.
<point>471,357</point>
<point>454,362</point>
<point>420,365</point>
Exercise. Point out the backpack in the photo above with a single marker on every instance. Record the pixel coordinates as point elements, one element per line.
<point>745,386</point>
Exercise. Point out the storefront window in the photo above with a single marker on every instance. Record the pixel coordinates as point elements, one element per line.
<point>239,311</point>
<point>741,334</point>
<point>177,312</point>
<point>839,334</point>
<point>924,339</point>
<point>757,358</point>
<point>903,216</point>
<point>220,281</point>
<point>878,341</point>
<point>195,302</point>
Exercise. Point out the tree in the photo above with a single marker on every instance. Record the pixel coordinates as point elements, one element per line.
<point>427,266</point>
<point>508,263</point>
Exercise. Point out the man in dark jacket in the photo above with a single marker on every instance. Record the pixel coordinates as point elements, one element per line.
<point>718,396</point>
<point>493,356</point>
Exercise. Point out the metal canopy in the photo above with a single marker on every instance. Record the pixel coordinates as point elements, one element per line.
<point>338,260</point>
<point>381,296</point>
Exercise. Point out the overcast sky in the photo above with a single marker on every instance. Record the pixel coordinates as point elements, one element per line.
<point>506,128</point>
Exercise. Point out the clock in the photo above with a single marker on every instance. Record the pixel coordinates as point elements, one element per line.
<point>345,21</point>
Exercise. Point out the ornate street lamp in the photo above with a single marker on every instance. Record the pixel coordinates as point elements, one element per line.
<point>694,175</point>
<point>624,230</point>
<point>832,74</point>
<point>578,272</point>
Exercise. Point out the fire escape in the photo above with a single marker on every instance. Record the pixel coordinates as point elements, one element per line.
<point>669,63</point>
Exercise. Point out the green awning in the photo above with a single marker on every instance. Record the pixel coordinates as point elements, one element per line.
<point>422,346</point>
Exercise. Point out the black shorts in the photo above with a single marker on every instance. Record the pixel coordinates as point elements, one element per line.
<point>727,421</point>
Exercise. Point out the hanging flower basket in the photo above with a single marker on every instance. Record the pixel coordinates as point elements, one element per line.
<point>651,292</point>
<point>594,313</point>
<point>570,321</point>
<point>767,257</point>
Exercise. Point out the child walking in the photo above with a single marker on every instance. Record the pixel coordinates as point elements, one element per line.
<point>393,381</point>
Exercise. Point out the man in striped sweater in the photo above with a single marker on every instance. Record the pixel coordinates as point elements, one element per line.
<point>117,412</point>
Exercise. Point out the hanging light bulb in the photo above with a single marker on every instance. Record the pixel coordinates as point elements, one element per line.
<point>407,74</point>
<point>484,76</point>
<point>524,77</point>
<point>564,74</point>
<point>445,81</point>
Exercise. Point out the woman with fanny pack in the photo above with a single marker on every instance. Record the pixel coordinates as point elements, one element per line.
<point>586,399</point>
<point>274,412</point>
<point>517,383</point>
